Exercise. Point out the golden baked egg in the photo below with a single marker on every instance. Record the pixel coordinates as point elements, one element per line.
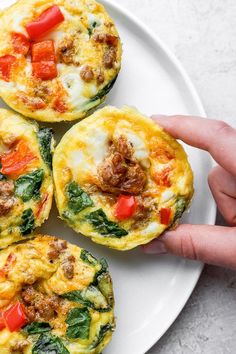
<point>58,59</point>
<point>54,298</point>
<point>26,186</point>
<point>120,179</point>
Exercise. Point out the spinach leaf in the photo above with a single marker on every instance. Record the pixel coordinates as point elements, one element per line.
<point>88,257</point>
<point>101,335</point>
<point>91,28</point>
<point>104,265</point>
<point>104,91</point>
<point>27,224</point>
<point>45,136</point>
<point>78,199</point>
<point>37,327</point>
<point>28,186</point>
<point>105,227</point>
<point>104,284</point>
<point>103,269</point>
<point>78,321</point>
<point>49,344</point>
<point>89,297</point>
<point>180,207</point>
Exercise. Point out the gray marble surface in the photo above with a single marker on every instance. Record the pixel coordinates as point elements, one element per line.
<point>202,34</point>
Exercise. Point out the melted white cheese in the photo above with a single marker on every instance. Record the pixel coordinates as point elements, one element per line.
<point>97,145</point>
<point>166,196</point>
<point>74,86</point>
<point>56,36</point>
<point>141,152</point>
<point>152,228</point>
<point>77,161</point>
<point>92,19</point>
<point>16,23</point>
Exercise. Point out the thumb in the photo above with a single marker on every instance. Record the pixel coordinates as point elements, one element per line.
<point>209,244</point>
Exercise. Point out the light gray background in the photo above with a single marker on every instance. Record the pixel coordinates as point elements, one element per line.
<point>202,34</point>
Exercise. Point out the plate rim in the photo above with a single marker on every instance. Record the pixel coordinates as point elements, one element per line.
<point>159,43</point>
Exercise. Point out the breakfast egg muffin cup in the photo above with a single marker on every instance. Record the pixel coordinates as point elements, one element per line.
<point>55,298</point>
<point>120,179</point>
<point>26,186</point>
<point>58,59</point>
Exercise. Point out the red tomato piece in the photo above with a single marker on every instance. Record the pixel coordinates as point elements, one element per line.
<point>165,214</point>
<point>43,51</point>
<point>16,161</point>
<point>45,22</point>
<point>15,317</point>
<point>125,207</point>
<point>2,322</point>
<point>20,42</point>
<point>45,70</point>
<point>6,63</point>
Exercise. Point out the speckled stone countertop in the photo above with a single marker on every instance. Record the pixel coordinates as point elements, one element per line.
<point>202,34</point>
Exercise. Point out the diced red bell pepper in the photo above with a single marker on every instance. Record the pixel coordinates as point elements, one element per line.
<point>11,259</point>
<point>45,22</point>
<point>45,70</point>
<point>15,317</point>
<point>20,42</point>
<point>125,207</point>
<point>165,214</point>
<point>43,51</point>
<point>6,63</point>
<point>16,161</point>
<point>2,322</point>
<point>41,205</point>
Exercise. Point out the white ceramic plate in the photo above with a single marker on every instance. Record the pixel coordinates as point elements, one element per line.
<point>150,291</point>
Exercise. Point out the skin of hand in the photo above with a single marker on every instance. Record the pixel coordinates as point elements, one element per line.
<point>209,244</point>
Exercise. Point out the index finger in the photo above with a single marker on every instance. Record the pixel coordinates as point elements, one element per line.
<point>214,136</point>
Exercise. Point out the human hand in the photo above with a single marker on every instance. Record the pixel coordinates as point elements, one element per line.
<point>209,244</point>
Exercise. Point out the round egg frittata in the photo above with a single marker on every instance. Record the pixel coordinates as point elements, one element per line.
<point>54,298</point>
<point>120,179</point>
<point>26,186</point>
<point>58,58</point>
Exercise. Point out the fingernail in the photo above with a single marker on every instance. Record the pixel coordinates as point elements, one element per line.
<point>155,247</point>
<point>166,235</point>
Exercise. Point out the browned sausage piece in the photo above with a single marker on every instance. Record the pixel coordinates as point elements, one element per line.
<point>6,197</point>
<point>19,346</point>
<point>87,73</point>
<point>109,58</point>
<point>106,38</point>
<point>68,267</point>
<point>39,306</point>
<point>56,247</point>
<point>119,172</point>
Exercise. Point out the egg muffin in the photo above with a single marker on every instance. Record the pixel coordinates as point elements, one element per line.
<point>58,58</point>
<point>120,179</point>
<point>26,186</point>
<point>54,298</point>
